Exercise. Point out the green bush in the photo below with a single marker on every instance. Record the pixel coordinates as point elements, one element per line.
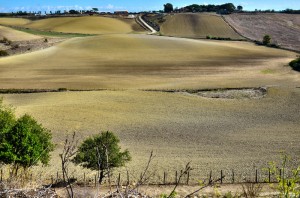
<point>101,152</point>
<point>23,142</point>
<point>266,39</point>
<point>295,64</point>
<point>3,53</point>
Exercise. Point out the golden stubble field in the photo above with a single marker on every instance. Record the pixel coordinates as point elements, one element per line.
<point>214,134</point>
<point>190,25</point>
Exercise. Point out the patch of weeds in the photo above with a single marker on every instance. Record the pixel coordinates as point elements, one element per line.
<point>62,89</point>
<point>267,71</point>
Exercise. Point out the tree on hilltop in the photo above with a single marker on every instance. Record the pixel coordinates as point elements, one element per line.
<point>168,7</point>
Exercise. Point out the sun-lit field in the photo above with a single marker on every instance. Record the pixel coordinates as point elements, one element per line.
<point>135,69</point>
<point>13,21</point>
<point>283,28</point>
<point>15,35</point>
<point>143,62</point>
<point>197,26</point>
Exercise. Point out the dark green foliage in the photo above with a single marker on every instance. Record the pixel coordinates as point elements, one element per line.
<point>227,7</point>
<point>240,8</point>
<point>24,142</point>
<point>168,7</point>
<point>94,151</point>
<point>3,53</point>
<point>295,64</point>
<point>266,40</point>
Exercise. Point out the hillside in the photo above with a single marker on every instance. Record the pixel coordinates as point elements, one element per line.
<point>83,25</point>
<point>197,26</point>
<point>15,35</point>
<point>283,28</point>
<point>96,62</point>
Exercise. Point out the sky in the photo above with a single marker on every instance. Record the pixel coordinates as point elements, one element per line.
<point>134,5</point>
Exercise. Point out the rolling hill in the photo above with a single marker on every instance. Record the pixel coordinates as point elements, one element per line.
<point>197,26</point>
<point>107,62</point>
<point>283,28</point>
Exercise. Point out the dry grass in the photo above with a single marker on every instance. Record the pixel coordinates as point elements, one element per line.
<point>197,26</point>
<point>14,21</point>
<point>283,28</point>
<point>84,25</point>
<point>15,35</point>
<point>212,133</point>
<point>151,62</point>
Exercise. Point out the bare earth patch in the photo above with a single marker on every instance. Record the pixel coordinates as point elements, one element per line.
<point>241,93</point>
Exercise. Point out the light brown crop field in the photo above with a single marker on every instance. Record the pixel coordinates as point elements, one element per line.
<point>13,21</point>
<point>151,62</point>
<point>283,28</point>
<point>197,26</point>
<point>84,25</point>
<point>15,35</point>
<point>240,134</point>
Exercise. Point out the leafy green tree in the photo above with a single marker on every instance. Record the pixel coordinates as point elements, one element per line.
<point>102,153</point>
<point>168,7</point>
<point>24,142</point>
<point>240,8</point>
<point>267,39</point>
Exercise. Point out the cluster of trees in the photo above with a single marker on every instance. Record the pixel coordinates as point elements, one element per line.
<point>224,8</point>
<point>25,143</point>
<point>229,7</point>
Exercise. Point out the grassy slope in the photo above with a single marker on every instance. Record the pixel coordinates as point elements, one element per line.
<point>150,62</point>
<point>197,26</point>
<point>15,35</point>
<point>283,28</point>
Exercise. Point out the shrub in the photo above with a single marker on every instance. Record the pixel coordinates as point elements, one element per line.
<point>23,141</point>
<point>266,39</point>
<point>101,152</point>
<point>3,53</point>
<point>295,64</point>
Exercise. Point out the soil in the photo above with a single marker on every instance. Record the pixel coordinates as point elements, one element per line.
<point>21,47</point>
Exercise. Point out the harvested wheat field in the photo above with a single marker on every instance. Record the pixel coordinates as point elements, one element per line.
<point>151,62</point>
<point>84,25</point>
<point>15,35</point>
<point>197,26</point>
<point>236,132</point>
<point>13,21</point>
<point>283,28</point>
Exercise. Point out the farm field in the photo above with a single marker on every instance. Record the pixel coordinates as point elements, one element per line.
<point>283,28</point>
<point>197,26</point>
<point>151,62</point>
<point>134,71</point>
<point>15,35</point>
<point>82,25</point>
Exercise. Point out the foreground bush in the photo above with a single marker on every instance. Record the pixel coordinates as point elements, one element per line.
<point>3,53</point>
<point>101,153</point>
<point>23,142</point>
<point>295,64</point>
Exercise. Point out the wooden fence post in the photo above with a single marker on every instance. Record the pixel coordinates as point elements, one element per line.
<point>95,180</point>
<point>256,176</point>
<point>221,176</point>
<point>232,176</point>
<point>57,177</point>
<point>164,178</point>
<point>188,178</point>
<point>210,177</point>
<point>1,175</point>
<point>119,180</point>
<point>269,175</point>
<point>127,178</point>
<point>176,177</point>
